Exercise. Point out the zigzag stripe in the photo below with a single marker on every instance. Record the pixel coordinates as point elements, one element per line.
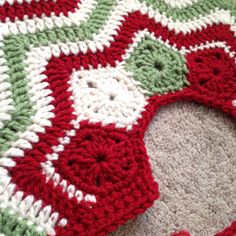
<point>81,13</point>
<point>120,35</point>
<point>27,208</point>
<point>5,93</point>
<point>24,10</point>
<point>65,64</point>
<point>180,3</point>
<point>36,64</point>
<point>178,10</point>
<point>189,12</point>
<point>215,16</point>
<point>8,49</point>
<point>183,50</point>
<point>82,32</point>
<point>11,2</point>
<point>12,225</point>
<point>105,36</point>
<point>104,44</point>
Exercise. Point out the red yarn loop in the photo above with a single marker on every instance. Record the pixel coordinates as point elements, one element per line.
<point>96,156</point>
<point>181,233</point>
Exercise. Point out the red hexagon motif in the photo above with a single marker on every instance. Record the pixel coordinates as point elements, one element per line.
<point>107,163</point>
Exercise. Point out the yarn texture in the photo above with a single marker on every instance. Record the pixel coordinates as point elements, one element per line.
<point>80,81</point>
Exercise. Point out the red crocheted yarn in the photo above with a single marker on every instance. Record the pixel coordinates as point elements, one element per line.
<point>36,8</point>
<point>107,162</point>
<point>229,231</point>
<point>81,82</point>
<point>181,233</point>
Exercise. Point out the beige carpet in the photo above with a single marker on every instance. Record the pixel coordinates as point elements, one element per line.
<point>192,150</point>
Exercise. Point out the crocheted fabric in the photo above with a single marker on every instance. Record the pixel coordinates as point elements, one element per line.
<point>80,81</point>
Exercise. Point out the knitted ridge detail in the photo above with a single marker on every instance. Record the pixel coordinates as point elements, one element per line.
<point>80,81</point>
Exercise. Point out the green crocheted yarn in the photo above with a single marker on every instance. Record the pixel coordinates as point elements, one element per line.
<point>159,69</point>
<point>23,107</point>
<point>11,226</point>
<point>200,8</point>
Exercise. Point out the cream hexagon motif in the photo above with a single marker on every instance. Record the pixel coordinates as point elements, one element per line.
<point>108,95</point>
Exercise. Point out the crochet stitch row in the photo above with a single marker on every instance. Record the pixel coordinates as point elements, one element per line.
<point>80,81</point>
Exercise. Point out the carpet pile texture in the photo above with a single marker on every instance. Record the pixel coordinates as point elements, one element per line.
<point>193,156</point>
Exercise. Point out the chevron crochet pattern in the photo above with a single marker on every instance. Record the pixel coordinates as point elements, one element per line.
<point>80,81</point>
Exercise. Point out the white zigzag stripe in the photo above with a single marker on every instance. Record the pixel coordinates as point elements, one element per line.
<point>36,61</point>
<point>145,33</point>
<point>180,3</point>
<point>172,3</point>
<point>113,23</point>
<point>82,46</point>
<point>26,208</point>
<point>45,218</point>
<point>34,85</point>
<point>102,38</point>
<point>6,187</point>
<point>217,16</point>
<point>85,7</point>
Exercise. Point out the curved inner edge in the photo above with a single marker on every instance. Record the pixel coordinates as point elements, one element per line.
<point>192,151</point>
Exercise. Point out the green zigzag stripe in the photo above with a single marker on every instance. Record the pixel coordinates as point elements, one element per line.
<point>12,226</point>
<point>201,8</point>
<point>22,105</point>
<point>23,108</point>
<point>232,7</point>
<point>15,55</point>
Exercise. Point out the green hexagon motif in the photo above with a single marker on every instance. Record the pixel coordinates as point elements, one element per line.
<point>160,69</point>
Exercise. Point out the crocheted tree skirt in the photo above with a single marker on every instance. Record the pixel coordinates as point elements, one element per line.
<point>80,81</point>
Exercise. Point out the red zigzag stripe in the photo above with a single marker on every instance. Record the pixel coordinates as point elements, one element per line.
<point>58,72</point>
<point>17,10</point>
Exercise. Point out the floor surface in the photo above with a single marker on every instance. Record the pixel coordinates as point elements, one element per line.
<point>192,149</point>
